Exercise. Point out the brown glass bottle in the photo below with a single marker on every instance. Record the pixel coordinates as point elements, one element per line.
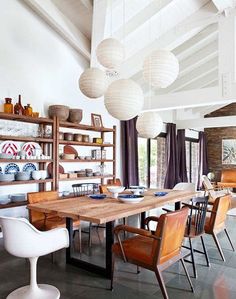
<point>8,106</point>
<point>18,108</point>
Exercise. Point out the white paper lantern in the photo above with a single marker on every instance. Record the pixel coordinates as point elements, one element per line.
<point>110,53</point>
<point>160,68</point>
<point>93,83</point>
<point>124,99</point>
<point>149,124</point>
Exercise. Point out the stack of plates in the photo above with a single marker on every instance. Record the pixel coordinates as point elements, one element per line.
<point>4,199</point>
<point>18,197</point>
<point>8,177</point>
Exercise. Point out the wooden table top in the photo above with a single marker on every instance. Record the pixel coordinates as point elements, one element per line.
<point>109,209</point>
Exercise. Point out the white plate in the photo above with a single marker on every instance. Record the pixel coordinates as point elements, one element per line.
<point>131,200</point>
<point>29,147</point>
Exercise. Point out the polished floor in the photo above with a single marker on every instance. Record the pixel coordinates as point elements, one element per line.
<point>216,282</point>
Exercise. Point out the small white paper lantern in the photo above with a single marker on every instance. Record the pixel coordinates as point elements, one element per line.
<point>149,124</point>
<point>93,83</point>
<point>124,99</point>
<point>110,53</point>
<point>160,68</point>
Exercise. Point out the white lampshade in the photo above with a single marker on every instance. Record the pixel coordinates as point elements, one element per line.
<point>160,68</point>
<point>149,124</point>
<point>124,99</point>
<point>211,176</point>
<point>110,53</point>
<point>93,83</point>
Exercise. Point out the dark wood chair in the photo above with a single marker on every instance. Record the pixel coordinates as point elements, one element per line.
<point>215,223</point>
<point>154,251</point>
<point>195,228</point>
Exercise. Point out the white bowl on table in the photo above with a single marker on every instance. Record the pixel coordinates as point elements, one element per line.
<point>115,190</point>
<point>130,198</point>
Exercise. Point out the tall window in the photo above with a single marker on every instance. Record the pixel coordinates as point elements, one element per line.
<point>152,162</point>
<point>192,159</point>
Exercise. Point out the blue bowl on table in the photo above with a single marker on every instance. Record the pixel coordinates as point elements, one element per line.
<point>161,193</point>
<point>97,196</point>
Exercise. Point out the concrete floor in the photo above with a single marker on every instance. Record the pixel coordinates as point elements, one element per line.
<point>216,282</point>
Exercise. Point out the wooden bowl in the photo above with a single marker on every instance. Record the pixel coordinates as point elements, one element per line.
<point>61,111</point>
<point>75,115</point>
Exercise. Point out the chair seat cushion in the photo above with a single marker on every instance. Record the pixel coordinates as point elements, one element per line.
<point>52,222</point>
<point>227,184</point>
<point>136,249</point>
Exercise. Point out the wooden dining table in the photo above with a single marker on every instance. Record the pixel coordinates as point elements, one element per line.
<point>105,211</point>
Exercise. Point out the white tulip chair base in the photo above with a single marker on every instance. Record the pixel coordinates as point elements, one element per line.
<point>43,291</point>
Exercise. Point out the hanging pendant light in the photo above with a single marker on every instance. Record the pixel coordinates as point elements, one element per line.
<point>110,53</point>
<point>124,99</point>
<point>160,68</point>
<point>149,124</point>
<point>93,83</point>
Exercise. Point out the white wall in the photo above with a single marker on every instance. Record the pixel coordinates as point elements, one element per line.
<point>36,63</point>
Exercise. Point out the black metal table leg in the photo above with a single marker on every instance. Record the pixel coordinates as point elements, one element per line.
<point>143,216</point>
<point>177,205</point>
<point>104,271</point>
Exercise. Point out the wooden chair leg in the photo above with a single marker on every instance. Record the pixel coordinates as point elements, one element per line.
<point>205,252</point>
<point>187,274</point>
<point>112,271</point>
<point>80,240</point>
<point>161,283</point>
<point>218,246</point>
<point>193,259</point>
<point>90,236</point>
<point>230,241</point>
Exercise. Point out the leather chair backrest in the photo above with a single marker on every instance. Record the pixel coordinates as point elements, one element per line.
<point>36,197</point>
<point>103,189</point>
<point>220,208</point>
<point>228,176</point>
<point>170,229</point>
<point>116,183</point>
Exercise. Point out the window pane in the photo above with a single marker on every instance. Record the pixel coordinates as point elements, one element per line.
<point>187,145</point>
<point>195,161</point>
<point>142,161</point>
<point>161,162</point>
<point>153,166</point>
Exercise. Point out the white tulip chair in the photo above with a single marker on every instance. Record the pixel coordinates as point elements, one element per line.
<point>21,239</point>
<point>185,187</point>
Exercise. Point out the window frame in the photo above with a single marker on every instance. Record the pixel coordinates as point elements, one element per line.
<point>191,141</point>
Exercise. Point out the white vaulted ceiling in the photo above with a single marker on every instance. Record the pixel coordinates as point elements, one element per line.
<point>189,28</point>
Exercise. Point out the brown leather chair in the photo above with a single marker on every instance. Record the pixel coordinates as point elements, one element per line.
<point>103,188</point>
<point>44,221</point>
<point>215,223</point>
<point>228,178</point>
<point>154,251</point>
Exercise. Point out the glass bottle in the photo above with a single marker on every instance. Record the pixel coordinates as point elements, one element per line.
<point>28,110</point>
<point>8,106</point>
<point>18,108</point>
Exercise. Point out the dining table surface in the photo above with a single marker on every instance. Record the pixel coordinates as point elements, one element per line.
<point>109,209</point>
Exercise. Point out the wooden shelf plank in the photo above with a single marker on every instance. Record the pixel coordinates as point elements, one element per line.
<point>22,138</point>
<point>28,119</point>
<point>84,127</point>
<point>83,161</point>
<point>88,178</point>
<point>26,182</point>
<point>13,205</point>
<point>85,143</point>
<point>26,161</point>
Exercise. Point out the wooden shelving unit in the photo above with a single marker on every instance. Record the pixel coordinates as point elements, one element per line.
<point>51,146</point>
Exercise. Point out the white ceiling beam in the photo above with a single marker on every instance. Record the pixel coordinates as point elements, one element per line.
<point>200,40</point>
<point>209,122</point>
<point>206,110</point>
<point>212,84</point>
<point>187,99</point>
<point>194,75</point>
<point>179,33</point>
<point>98,27</point>
<point>221,5</point>
<point>141,17</point>
<point>48,12</point>
<point>88,4</point>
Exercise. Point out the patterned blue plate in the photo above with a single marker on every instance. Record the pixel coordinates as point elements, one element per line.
<point>12,168</point>
<point>29,167</point>
<point>97,196</point>
<point>160,193</point>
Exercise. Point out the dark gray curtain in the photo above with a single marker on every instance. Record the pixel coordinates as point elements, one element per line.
<point>182,156</point>
<point>129,151</point>
<point>203,158</point>
<point>172,169</point>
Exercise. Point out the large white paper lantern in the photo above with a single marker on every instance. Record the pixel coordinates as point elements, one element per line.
<point>93,83</point>
<point>124,99</point>
<point>110,53</point>
<point>160,68</point>
<point>149,124</point>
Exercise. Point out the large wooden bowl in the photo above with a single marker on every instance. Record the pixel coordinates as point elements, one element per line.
<point>75,115</point>
<point>61,111</point>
